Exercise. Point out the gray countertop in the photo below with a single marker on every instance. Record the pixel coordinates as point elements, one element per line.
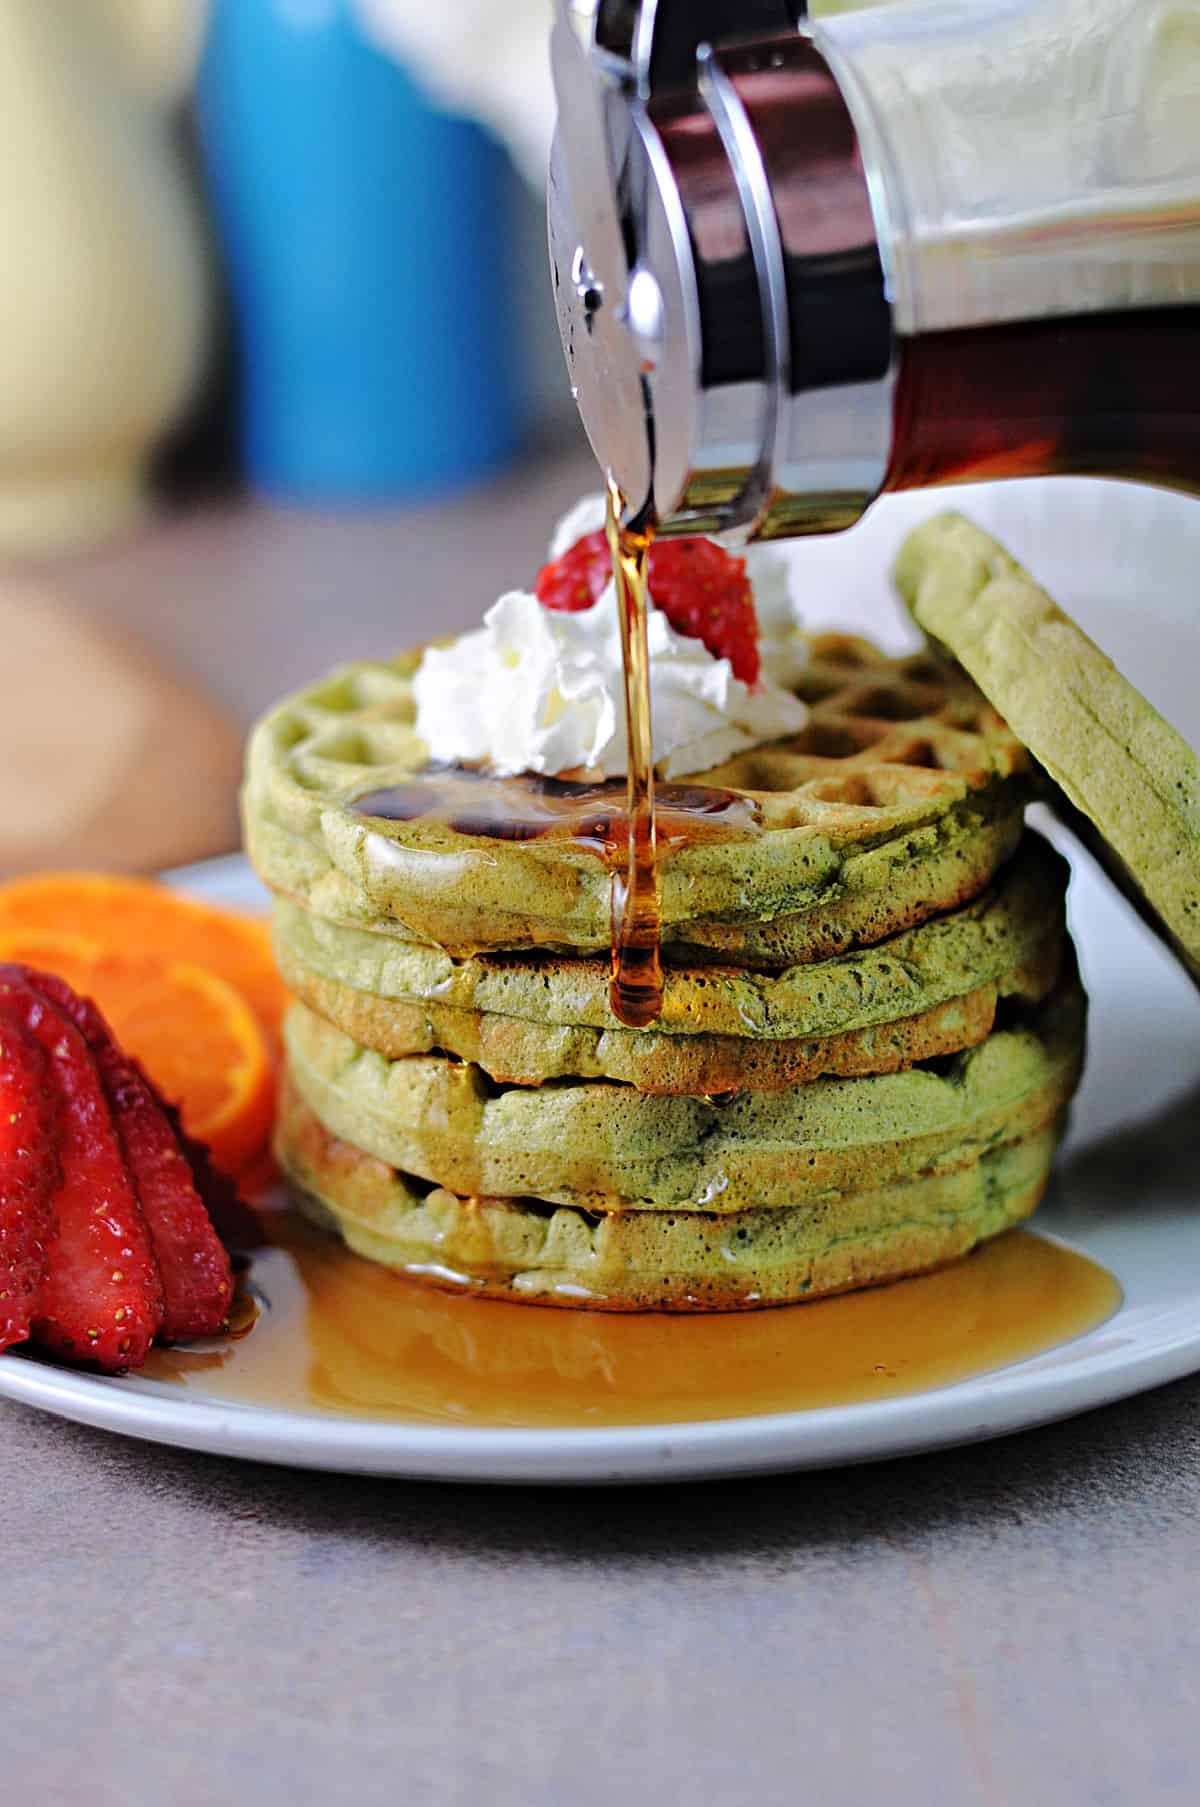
<point>1013,1623</point>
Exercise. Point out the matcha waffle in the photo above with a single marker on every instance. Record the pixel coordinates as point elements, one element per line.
<point>525,1249</point>
<point>928,991</point>
<point>899,799</point>
<point>871,1028</point>
<point>1132,781</point>
<point>601,1146</point>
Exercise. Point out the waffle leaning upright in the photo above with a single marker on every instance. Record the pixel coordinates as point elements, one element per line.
<point>871,1022</point>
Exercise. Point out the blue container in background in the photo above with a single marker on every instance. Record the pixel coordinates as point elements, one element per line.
<point>371,259</point>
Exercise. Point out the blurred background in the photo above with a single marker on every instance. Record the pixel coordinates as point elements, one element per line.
<point>282,382</point>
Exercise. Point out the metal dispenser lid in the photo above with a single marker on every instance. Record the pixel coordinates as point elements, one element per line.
<point>715,266</point>
<point>589,171</point>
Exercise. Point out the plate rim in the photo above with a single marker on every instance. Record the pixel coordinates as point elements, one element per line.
<point>1018,1397</point>
<point>1100,1369</point>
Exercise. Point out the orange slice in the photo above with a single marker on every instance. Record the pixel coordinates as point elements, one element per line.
<point>138,916</point>
<point>194,1033</point>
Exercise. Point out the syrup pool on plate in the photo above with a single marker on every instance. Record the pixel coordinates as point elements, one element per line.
<point>336,1333</point>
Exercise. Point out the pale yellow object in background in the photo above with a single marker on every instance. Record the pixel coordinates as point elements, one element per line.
<point>104,300</point>
<point>105,760</point>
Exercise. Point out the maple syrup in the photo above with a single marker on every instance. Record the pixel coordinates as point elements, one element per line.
<point>1107,395</point>
<point>636,988</point>
<point>340,1334</point>
<point>528,806</point>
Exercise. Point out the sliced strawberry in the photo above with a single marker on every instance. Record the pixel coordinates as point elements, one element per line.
<point>574,581</point>
<point>101,1300</point>
<point>196,1276</point>
<point>704,591</point>
<point>29,1173</point>
<point>235,1222</point>
<point>701,589</point>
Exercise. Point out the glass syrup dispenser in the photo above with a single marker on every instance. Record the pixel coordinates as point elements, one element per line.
<point>800,262</point>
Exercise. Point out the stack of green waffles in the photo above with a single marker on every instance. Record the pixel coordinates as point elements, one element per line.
<point>872,1020</point>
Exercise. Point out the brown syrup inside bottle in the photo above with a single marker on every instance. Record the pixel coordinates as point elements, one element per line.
<point>339,1334</point>
<point>1107,395</point>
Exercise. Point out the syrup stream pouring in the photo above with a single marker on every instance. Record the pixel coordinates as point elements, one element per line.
<point>636,989</point>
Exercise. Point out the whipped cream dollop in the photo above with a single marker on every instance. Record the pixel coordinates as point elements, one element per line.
<point>542,690</point>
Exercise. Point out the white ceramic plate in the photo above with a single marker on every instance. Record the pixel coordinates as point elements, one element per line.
<point>1128,1192</point>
